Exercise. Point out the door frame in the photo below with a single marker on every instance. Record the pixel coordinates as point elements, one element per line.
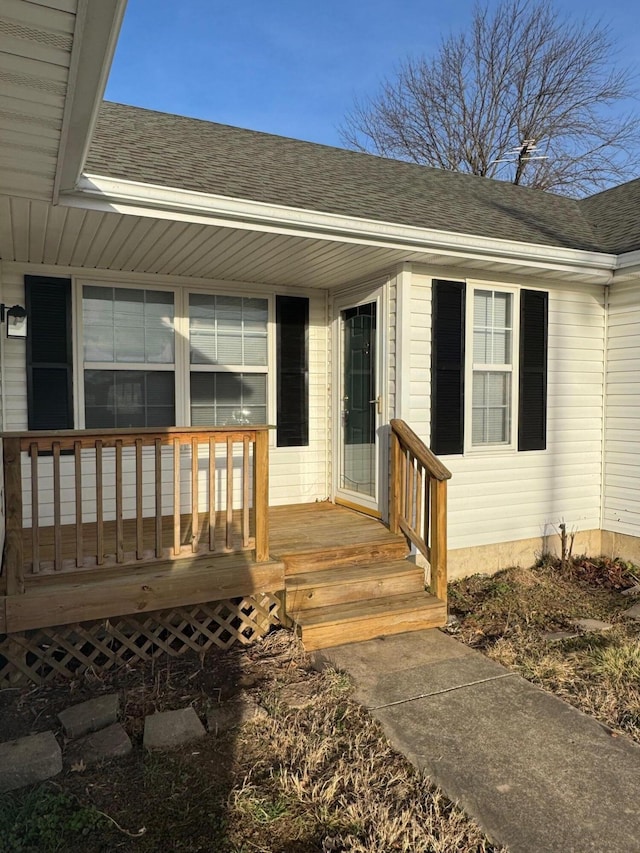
<point>378,292</point>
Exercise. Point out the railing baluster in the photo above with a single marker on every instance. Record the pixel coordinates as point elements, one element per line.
<point>195,518</point>
<point>419,497</point>
<point>57,526</point>
<point>396,485</point>
<point>158,475</point>
<point>427,510</point>
<point>229,519</point>
<point>99,506</point>
<point>176,497</point>
<point>139,506</point>
<point>119,509</point>
<point>77,457</point>
<point>411,490</point>
<point>246,443</point>
<point>35,511</point>
<point>212,493</point>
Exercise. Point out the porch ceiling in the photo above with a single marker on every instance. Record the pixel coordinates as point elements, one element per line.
<point>35,232</point>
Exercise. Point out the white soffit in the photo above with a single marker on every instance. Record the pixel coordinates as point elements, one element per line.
<point>54,58</point>
<point>33,232</point>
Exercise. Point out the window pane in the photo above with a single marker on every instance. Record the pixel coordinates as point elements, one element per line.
<point>491,417</point>
<point>229,348</point>
<point>98,343</point>
<point>228,399</point>
<point>129,344</point>
<point>492,327</point>
<point>255,349</point>
<point>128,398</point>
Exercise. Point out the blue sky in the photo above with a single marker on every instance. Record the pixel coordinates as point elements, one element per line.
<point>292,67</point>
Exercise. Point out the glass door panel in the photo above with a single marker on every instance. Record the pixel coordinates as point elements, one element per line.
<point>359,401</point>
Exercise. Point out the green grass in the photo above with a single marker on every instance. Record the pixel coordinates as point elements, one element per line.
<point>44,820</point>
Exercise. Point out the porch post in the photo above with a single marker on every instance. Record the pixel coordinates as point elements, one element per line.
<point>394,494</point>
<point>261,494</point>
<point>14,557</point>
<point>439,539</point>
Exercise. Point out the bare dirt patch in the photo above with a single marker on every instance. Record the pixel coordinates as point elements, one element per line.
<point>511,617</point>
<point>319,776</point>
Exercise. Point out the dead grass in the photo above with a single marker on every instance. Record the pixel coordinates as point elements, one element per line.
<point>508,615</point>
<point>315,778</point>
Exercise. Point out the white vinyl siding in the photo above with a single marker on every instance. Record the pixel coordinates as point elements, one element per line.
<point>296,474</point>
<point>621,499</point>
<point>503,495</point>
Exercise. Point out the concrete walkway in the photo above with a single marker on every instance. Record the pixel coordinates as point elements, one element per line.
<point>538,775</point>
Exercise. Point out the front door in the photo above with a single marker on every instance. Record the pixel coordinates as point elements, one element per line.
<point>359,406</point>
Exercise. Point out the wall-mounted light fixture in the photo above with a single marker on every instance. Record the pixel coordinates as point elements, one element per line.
<point>16,317</point>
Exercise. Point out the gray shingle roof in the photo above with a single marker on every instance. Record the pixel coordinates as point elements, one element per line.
<point>615,214</point>
<point>159,148</point>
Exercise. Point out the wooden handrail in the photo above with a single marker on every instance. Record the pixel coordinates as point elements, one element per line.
<point>418,500</point>
<point>419,449</point>
<point>120,472</point>
<point>67,438</point>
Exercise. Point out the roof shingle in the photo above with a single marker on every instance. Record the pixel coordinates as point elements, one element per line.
<point>168,150</point>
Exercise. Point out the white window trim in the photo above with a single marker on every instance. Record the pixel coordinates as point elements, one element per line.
<point>512,445</point>
<point>181,366</point>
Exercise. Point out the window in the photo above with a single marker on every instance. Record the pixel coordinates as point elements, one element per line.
<point>129,357</point>
<point>489,368</point>
<point>227,333</point>
<point>154,357</point>
<point>492,369</point>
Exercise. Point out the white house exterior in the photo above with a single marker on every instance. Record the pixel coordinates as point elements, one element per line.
<point>131,205</point>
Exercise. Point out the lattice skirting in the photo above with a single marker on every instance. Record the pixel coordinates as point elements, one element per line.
<point>66,651</point>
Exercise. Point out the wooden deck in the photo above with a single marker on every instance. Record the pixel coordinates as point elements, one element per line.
<point>336,574</point>
<point>339,569</point>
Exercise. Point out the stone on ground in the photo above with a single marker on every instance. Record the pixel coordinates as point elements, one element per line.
<point>559,636</point>
<point>632,613</point>
<point>28,760</point>
<point>172,728</point>
<point>236,712</point>
<point>592,625</point>
<point>632,590</point>
<point>112,742</point>
<point>90,716</point>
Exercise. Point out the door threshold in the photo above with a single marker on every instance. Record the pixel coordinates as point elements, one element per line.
<point>365,510</point>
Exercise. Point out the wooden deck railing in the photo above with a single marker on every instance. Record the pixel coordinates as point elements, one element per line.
<point>418,501</point>
<point>116,497</point>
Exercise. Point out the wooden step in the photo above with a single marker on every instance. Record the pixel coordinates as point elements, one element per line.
<point>352,583</point>
<point>351,623</point>
<point>319,559</point>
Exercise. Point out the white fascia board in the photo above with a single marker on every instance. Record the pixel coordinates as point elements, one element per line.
<point>94,43</point>
<point>99,192</point>
<point>627,264</point>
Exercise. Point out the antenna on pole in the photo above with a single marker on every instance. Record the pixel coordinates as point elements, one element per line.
<point>522,154</point>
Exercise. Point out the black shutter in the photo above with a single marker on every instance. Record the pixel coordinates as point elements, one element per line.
<point>49,353</point>
<point>447,367</point>
<point>532,409</point>
<point>292,321</point>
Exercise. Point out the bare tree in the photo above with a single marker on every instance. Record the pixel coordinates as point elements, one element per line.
<point>525,95</point>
